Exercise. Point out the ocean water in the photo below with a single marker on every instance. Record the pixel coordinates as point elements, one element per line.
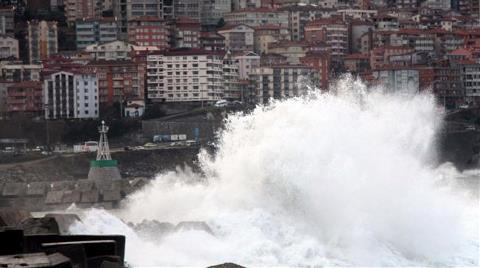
<point>346,178</point>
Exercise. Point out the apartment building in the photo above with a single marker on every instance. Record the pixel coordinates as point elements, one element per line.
<point>214,10</point>
<point>292,50</point>
<point>238,37</point>
<point>332,31</point>
<point>94,31</point>
<point>42,40</point>
<point>246,62</point>
<point>471,81</point>
<point>282,81</point>
<point>193,75</point>
<point>264,35</point>
<point>257,16</point>
<point>148,31</point>
<point>126,10</point>
<point>8,47</point>
<point>116,50</point>
<point>398,79</point>
<point>25,98</point>
<point>7,24</point>
<point>187,33</point>
<point>119,80</point>
<point>300,15</point>
<point>16,71</point>
<point>69,95</point>
<point>207,12</point>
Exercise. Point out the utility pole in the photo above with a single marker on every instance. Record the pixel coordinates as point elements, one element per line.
<point>46,106</point>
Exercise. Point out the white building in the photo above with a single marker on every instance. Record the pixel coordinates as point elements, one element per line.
<point>282,81</point>
<point>71,95</point>
<point>238,37</point>
<point>185,76</point>
<point>398,79</point>
<point>246,62</point>
<point>116,50</point>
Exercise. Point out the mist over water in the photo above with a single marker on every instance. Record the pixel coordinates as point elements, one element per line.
<point>341,178</point>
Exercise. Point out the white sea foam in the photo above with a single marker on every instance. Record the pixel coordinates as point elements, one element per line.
<point>344,178</point>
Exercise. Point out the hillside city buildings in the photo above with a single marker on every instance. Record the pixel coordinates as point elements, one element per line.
<point>79,59</point>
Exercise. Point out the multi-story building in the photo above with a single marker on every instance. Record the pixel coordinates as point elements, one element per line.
<point>300,15</point>
<point>398,79</point>
<point>241,4</point>
<point>213,11</point>
<point>42,40</point>
<point>246,62</point>
<point>7,24</point>
<point>193,75</point>
<point>94,31</point>
<point>266,34</point>
<point>8,47</point>
<point>334,32</point>
<point>232,90</point>
<point>126,10</point>
<point>71,95</point>
<point>471,82</point>
<point>78,9</point>
<point>25,98</point>
<point>238,37</point>
<point>162,9</point>
<point>116,50</point>
<point>320,62</point>
<point>187,33</point>
<point>257,16</point>
<point>292,50</point>
<point>380,56</point>
<point>148,31</point>
<point>16,72</point>
<point>448,86</point>
<point>208,12</point>
<point>212,41</point>
<point>282,81</point>
<point>119,81</point>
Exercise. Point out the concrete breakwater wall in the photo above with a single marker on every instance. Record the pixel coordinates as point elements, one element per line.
<point>58,182</point>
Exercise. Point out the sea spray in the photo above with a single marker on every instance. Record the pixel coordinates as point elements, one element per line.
<point>340,178</point>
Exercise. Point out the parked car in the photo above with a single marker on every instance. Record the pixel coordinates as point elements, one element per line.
<point>221,103</point>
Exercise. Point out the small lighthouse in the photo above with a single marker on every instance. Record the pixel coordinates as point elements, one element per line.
<point>103,170</point>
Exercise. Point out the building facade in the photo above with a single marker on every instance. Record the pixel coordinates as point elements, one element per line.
<point>282,81</point>
<point>42,40</point>
<point>8,47</point>
<point>95,31</point>
<point>71,95</point>
<point>148,31</point>
<point>193,75</point>
<point>25,98</point>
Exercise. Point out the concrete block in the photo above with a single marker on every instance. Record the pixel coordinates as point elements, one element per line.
<point>37,189</point>
<point>62,185</point>
<point>90,197</point>
<point>70,196</point>
<point>85,185</point>
<point>14,189</point>
<point>111,195</point>
<point>54,197</point>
